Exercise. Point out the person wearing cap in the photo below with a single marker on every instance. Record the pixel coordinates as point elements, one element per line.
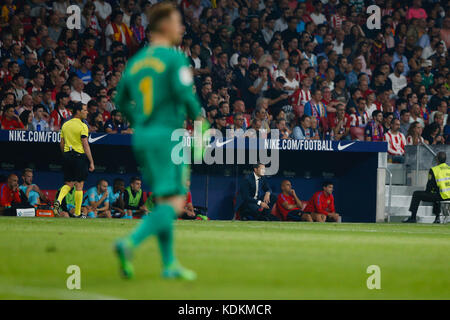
<point>437,189</point>
<point>220,124</point>
<point>278,98</point>
<point>211,112</point>
<point>427,76</point>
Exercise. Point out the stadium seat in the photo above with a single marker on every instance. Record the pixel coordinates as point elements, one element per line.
<point>50,194</point>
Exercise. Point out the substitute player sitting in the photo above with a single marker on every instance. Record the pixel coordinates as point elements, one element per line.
<point>97,198</point>
<point>289,205</point>
<point>133,198</point>
<point>321,205</point>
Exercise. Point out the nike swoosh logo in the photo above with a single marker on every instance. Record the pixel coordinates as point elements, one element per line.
<point>220,144</point>
<point>92,140</point>
<point>340,148</point>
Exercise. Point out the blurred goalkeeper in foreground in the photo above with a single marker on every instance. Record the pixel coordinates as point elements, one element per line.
<point>156,94</point>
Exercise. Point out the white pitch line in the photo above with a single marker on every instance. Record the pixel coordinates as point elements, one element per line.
<point>52,293</point>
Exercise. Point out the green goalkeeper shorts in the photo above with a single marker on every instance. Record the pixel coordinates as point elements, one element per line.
<point>153,150</point>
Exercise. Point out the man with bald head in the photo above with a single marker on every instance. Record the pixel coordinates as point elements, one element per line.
<point>11,196</point>
<point>289,205</point>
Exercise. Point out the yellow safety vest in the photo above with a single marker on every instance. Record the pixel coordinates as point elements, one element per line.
<point>442,176</point>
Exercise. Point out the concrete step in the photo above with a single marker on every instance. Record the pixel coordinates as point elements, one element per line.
<point>395,166</point>
<point>403,201</point>
<point>420,219</point>
<point>423,211</point>
<point>403,190</point>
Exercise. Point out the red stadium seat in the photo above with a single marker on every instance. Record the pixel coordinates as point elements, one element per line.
<point>50,194</point>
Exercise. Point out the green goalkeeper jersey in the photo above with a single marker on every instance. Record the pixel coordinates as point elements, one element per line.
<point>156,89</point>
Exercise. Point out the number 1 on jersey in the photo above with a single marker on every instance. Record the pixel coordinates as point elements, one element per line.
<point>146,87</point>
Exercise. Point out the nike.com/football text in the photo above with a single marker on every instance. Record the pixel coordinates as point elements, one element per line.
<point>216,146</point>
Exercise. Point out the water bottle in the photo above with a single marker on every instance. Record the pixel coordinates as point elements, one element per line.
<point>38,127</point>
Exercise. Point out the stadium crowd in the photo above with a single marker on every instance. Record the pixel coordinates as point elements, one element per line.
<point>312,69</point>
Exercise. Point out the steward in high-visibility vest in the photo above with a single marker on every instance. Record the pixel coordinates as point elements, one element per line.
<point>133,198</point>
<point>442,176</point>
<point>438,189</point>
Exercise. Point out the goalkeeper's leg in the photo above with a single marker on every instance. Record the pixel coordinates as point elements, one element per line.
<point>160,224</point>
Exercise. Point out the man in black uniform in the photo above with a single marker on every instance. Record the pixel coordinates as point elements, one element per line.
<point>77,157</point>
<point>438,189</point>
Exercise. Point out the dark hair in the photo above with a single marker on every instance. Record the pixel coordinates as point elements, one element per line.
<point>24,117</point>
<point>37,107</point>
<point>117,180</point>
<point>134,179</point>
<point>257,165</point>
<point>403,112</point>
<point>441,157</point>
<point>92,102</point>
<point>100,181</point>
<point>7,107</point>
<point>400,101</point>
<point>326,183</point>
<point>375,113</point>
<point>77,106</point>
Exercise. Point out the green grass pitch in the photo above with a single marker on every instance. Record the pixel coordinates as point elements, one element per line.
<point>234,260</point>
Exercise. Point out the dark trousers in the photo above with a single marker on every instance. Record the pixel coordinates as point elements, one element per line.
<point>425,196</point>
<point>252,211</point>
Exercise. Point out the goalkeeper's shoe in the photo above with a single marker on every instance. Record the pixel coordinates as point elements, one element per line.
<point>124,252</point>
<point>176,271</point>
<point>56,208</point>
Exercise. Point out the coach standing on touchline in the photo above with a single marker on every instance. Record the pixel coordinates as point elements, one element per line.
<point>76,154</point>
<point>438,189</point>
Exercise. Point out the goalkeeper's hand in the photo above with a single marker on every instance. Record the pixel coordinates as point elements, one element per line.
<point>200,143</point>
